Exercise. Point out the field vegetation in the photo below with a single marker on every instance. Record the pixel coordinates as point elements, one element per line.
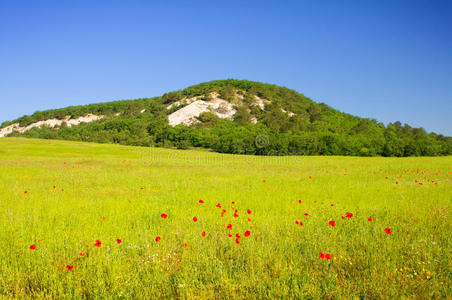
<point>84,220</point>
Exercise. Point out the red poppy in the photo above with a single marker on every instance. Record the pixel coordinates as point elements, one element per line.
<point>54,187</point>
<point>218,205</point>
<point>299,201</point>
<point>388,230</point>
<point>321,255</point>
<point>309,177</point>
<point>264,181</point>
<point>201,201</point>
<point>164,216</point>
<point>342,217</point>
<point>232,202</point>
<point>70,267</point>
<point>247,233</point>
<point>296,222</point>
<point>332,223</point>
<point>248,211</point>
<point>184,245</point>
<point>82,254</point>
<point>306,214</point>
<point>237,241</point>
<point>157,239</point>
<point>25,192</point>
<point>203,233</point>
<point>223,212</point>
<point>249,220</point>
<point>370,219</point>
<point>349,215</point>
<point>237,235</point>
<point>195,219</point>
<point>118,241</point>
<point>386,177</point>
<point>33,247</point>
<point>98,243</point>
<point>104,218</point>
<point>328,256</point>
<point>396,182</point>
<point>229,235</point>
<point>235,214</point>
<point>229,226</point>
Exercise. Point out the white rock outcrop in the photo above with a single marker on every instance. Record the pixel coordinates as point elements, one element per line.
<point>51,123</point>
<point>188,114</point>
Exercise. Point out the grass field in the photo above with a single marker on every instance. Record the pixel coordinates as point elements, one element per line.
<point>57,198</point>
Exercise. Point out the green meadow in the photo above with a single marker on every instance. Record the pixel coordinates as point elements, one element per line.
<point>58,198</point>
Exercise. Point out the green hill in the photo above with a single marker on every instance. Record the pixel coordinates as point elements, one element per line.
<point>238,116</point>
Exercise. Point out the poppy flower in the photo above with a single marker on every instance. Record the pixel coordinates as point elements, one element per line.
<point>157,239</point>
<point>33,247</point>
<point>332,223</point>
<point>299,201</point>
<point>184,245</point>
<point>232,202</point>
<point>229,235</point>
<point>349,215</point>
<point>70,267</point>
<point>201,201</point>
<point>223,212</point>
<point>388,230</point>
<point>248,211</point>
<point>195,219</point>
<point>306,214</point>
<point>237,235</point>
<point>396,182</point>
<point>237,241</point>
<point>54,187</point>
<point>25,192</point>
<point>321,255</point>
<point>264,181</point>
<point>203,233</point>
<point>164,216</point>
<point>118,241</point>
<point>247,233</point>
<point>235,214</point>
<point>296,222</point>
<point>218,205</point>
<point>309,177</point>
<point>229,226</point>
<point>370,219</point>
<point>98,243</point>
<point>342,217</point>
<point>328,256</point>
<point>82,254</point>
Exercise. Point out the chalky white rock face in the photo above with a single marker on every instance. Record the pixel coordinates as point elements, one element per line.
<point>51,123</point>
<point>188,114</point>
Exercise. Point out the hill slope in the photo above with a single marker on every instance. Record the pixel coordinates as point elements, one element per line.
<point>231,116</point>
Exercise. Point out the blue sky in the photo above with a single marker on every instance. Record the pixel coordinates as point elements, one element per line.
<point>388,60</point>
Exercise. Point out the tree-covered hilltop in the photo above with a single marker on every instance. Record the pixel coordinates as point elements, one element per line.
<point>286,122</point>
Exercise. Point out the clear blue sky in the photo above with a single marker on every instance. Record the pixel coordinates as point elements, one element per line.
<point>388,60</point>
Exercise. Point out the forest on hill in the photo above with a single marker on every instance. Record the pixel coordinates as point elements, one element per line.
<point>288,124</point>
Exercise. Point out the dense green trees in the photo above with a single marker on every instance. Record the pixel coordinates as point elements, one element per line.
<point>290,123</point>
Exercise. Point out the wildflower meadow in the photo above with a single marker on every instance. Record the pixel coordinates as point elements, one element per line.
<point>82,220</point>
